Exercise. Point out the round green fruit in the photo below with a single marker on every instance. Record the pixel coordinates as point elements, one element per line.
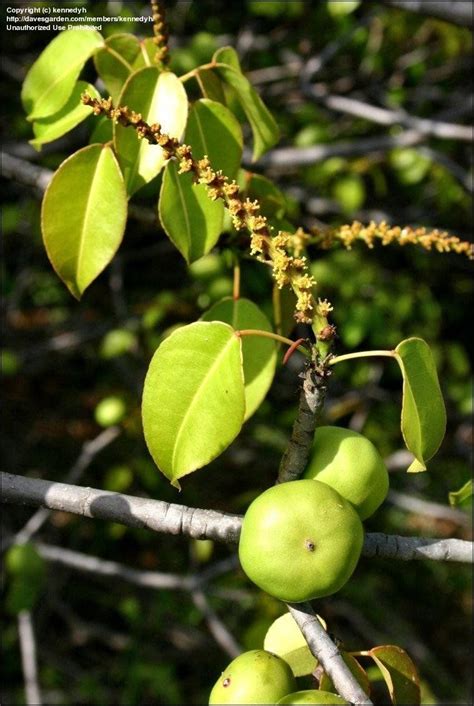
<point>312,697</point>
<point>350,464</point>
<point>300,540</point>
<point>255,677</point>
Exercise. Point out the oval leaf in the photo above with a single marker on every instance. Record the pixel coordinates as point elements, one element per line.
<point>285,639</point>
<point>326,683</point>
<point>189,218</point>
<point>259,354</point>
<point>399,673</point>
<point>423,411</point>
<point>83,216</point>
<point>458,497</point>
<point>160,98</point>
<point>213,130</point>
<point>71,114</point>
<point>121,55</point>
<point>51,79</point>
<point>264,128</point>
<point>193,398</point>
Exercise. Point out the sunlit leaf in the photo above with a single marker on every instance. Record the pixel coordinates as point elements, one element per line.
<point>457,497</point>
<point>193,398</point>
<point>52,78</point>
<point>264,128</point>
<point>189,218</point>
<point>83,216</point>
<point>259,354</point>
<point>159,98</point>
<point>71,114</point>
<point>399,673</point>
<point>116,61</point>
<point>423,411</point>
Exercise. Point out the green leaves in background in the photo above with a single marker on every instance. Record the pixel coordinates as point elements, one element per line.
<point>285,639</point>
<point>458,497</point>
<point>423,411</point>
<point>160,98</point>
<point>71,114</point>
<point>189,218</point>
<point>193,398</point>
<point>121,55</point>
<point>264,128</point>
<point>26,573</point>
<point>51,79</point>
<point>83,216</point>
<point>258,353</point>
<point>399,673</point>
<point>214,131</point>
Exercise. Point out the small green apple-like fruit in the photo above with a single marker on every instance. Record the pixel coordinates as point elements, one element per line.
<point>351,464</point>
<point>312,697</point>
<point>255,677</point>
<point>300,540</point>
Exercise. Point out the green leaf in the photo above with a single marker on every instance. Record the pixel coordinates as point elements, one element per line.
<point>189,218</point>
<point>71,114</point>
<point>210,85</point>
<point>264,128</point>
<point>326,683</point>
<point>213,130</point>
<point>160,98</point>
<point>457,497</point>
<point>193,398</point>
<point>51,79</point>
<point>285,639</point>
<point>270,198</point>
<point>399,673</point>
<point>259,354</point>
<point>423,411</point>
<point>122,55</point>
<point>83,216</point>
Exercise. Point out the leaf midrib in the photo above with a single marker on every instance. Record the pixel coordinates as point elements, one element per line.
<point>83,237</point>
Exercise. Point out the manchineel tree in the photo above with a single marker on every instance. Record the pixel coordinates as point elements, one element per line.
<point>302,538</point>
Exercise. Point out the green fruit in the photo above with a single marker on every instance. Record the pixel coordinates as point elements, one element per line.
<point>312,697</point>
<point>255,677</point>
<point>350,464</point>
<point>300,540</point>
<point>110,411</point>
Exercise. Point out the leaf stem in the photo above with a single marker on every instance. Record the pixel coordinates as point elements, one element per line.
<point>236,285</point>
<point>274,336</point>
<point>361,354</point>
<point>195,72</point>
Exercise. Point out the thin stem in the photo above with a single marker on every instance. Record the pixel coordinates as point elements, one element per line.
<point>361,354</point>
<point>236,286</point>
<point>274,336</point>
<point>277,315</point>
<point>194,72</point>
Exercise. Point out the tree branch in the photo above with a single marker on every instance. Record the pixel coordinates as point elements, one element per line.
<point>324,649</point>
<point>457,11</point>
<point>27,641</point>
<point>312,396</point>
<point>159,516</point>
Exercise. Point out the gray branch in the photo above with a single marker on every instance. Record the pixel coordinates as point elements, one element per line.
<point>327,653</point>
<point>169,518</point>
<point>154,515</point>
<point>457,11</point>
<point>312,396</point>
<point>29,664</point>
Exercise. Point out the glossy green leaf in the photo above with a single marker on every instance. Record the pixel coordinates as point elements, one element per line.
<point>83,216</point>
<point>160,98</point>
<point>210,85</point>
<point>264,128</point>
<point>193,398</point>
<point>458,497</point>
<point>269,196</point>
<point>259,354</point>
<point>285,639</point>
<point>122,55</point>
<point>52,78</point>
<point>326,683</point>
<point>189,218</point>
<point>213,130</point>
<point>423,411</point>
<point>399,673</point>
<point>71,114</point>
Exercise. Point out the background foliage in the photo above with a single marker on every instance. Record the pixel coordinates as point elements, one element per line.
<point>102,641</point>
